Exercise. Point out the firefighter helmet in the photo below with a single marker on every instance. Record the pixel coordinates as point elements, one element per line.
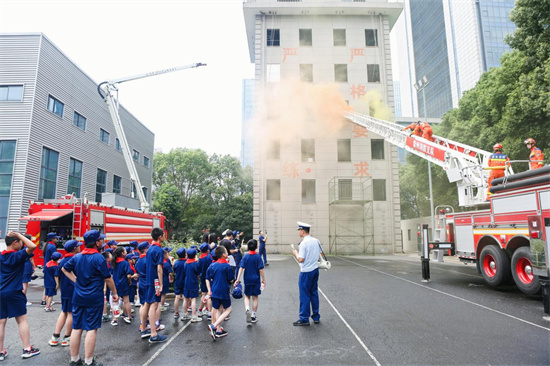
<point>529,141</point>
<point>497,147</point>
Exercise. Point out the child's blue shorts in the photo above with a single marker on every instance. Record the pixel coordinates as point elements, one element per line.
<point>87,318</point>
<point>226,303</point>
<point>51,291</point>
<point>252,290</point>
<point>13,304</point>
<point>191,294</point>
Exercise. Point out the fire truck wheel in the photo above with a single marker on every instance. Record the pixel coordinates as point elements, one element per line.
<point>522,271</point>
<point>495,266</point>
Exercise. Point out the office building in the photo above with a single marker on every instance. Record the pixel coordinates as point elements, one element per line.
<point>247,137</point>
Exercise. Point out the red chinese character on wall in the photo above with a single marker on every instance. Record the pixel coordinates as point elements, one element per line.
<point>289,52</point>
<point>361,169</point>
<point>359,131</point>
<point>357,91</point>
<point>290,169</point>
<point>356,52</point>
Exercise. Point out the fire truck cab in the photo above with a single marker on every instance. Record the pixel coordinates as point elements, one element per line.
<point>498,239</point>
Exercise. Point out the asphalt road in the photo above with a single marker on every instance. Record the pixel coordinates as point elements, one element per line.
<point>374,311</point>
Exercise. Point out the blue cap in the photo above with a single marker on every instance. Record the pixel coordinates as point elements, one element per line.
<point>181,252</point>
<point>109,250</point>
<point>70,245</point>
<point>134,244</point>
<point>92,236</point>
<point>167,249</point>
<point>205,247</point>
<point>51,236</point>
<point>129,256</point>
<point>238,291</point>
<point>143,245</point>
<point>191,253</point>
<point>111,242</point>
<point>56,256</point>
<point>235,232</point>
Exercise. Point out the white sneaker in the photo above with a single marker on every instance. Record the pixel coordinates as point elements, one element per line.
<point>248,316</point>
<point>163,308</point>
<point>166,304</point>
<point>132,310</point>
<point>137,304</point>
<point>29,303</point>
<point>196,319</point>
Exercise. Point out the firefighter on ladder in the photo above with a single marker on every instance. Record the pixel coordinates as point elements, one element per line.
<point>427,131</point>
<point>536,158</point>
<point>416,129</point>
<point>497,164</point>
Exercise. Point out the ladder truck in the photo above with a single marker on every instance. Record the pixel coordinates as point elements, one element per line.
<point>70,217</point>
<point>509,241</point>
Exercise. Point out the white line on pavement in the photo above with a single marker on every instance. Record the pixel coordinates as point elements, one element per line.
<point>351,329</point>
<point>447,294</point>
<point>166,345</point>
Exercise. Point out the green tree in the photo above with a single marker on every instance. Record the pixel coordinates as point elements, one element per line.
<point>168,200</point>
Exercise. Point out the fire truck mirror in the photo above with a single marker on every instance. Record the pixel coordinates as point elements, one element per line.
<point>538,247</point>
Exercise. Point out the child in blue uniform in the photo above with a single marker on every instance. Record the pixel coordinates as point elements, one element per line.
<point>51,280</point>
<point>131,259</point>
<point>28,272</point>
<point>12,299</point>
<point>89,271</point>
<point>67,289</point>
<point>142,283</point>
<point>219,277</point>
<point>253,267</point>
<point>166,278</point>
<point>153,272</point>
<point>191,287</point>
<point>179,281</point>
<point>49,247</point>
<point>205,260</point>
<point>122,276</point>
<point>108,255</point>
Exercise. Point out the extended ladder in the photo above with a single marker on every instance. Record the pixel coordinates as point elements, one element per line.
<point>463,164</point>
<point>77,218</point>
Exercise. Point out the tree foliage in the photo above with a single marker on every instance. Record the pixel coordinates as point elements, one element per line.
<point>197,192</point>
<point>508,104</point>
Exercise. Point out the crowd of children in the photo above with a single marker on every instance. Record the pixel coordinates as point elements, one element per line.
<point>100,284</point>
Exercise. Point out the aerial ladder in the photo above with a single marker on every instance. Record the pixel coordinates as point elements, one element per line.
<point>465,165</point>
<point>108,90</point>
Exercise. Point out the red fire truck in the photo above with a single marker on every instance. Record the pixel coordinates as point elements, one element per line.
<point>498,239</point>
<point>71,217</point>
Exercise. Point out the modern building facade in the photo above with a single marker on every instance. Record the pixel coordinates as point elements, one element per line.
<point>56,133</point>
<point>312,57</point>
<point>444,46</point>
<point>247,137</point>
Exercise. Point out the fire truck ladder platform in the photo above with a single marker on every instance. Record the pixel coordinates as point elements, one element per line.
<point>463,164</point>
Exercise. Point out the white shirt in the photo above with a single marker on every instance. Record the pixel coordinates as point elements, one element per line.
<point>309,249</point>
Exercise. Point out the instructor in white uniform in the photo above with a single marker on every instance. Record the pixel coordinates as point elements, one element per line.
<point>308,257</point>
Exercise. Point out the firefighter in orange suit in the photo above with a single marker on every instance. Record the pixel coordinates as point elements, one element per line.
<point>497,164</point>
<point>535,157</point>
<point>427,131</point>
<point>415,128</point>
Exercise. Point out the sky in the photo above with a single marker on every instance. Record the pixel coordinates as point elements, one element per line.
<point>110,39</point>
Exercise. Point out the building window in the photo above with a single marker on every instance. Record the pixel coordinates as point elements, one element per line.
<point>75,177</point>
<point>341,73</point>
<point>135,155</point>
<point>344,150</point>
<point>373,73</point>
<point>79,121</point>
<point>134,191</point>
<point>146,161</point>
<point>409,234</point>
<point>371,37</point>
<point>55,106</point>
<point>7,158</point>
<point>100,184</point>
<point>11,93</point>
<point>308,150</point>
<point>117,184</point>
<point>273,189</point>
<point>48,174</point>
<point>379,189</point>
<point>273,73</point>
<point>377,149</point>
<point>344,189</point>
<point>273,38</point>
<point>306,38</point>
<point>339,37</point>
<point>144,189</point>
<point>117,145</point>
<point>274,150</point>
<point>104,136</point>
<point>308,190</point>
<point>306,73</point>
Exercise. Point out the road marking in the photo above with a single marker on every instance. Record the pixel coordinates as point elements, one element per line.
<point>447,294</point>
<point>166,345</point>
<point>351,329</point>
